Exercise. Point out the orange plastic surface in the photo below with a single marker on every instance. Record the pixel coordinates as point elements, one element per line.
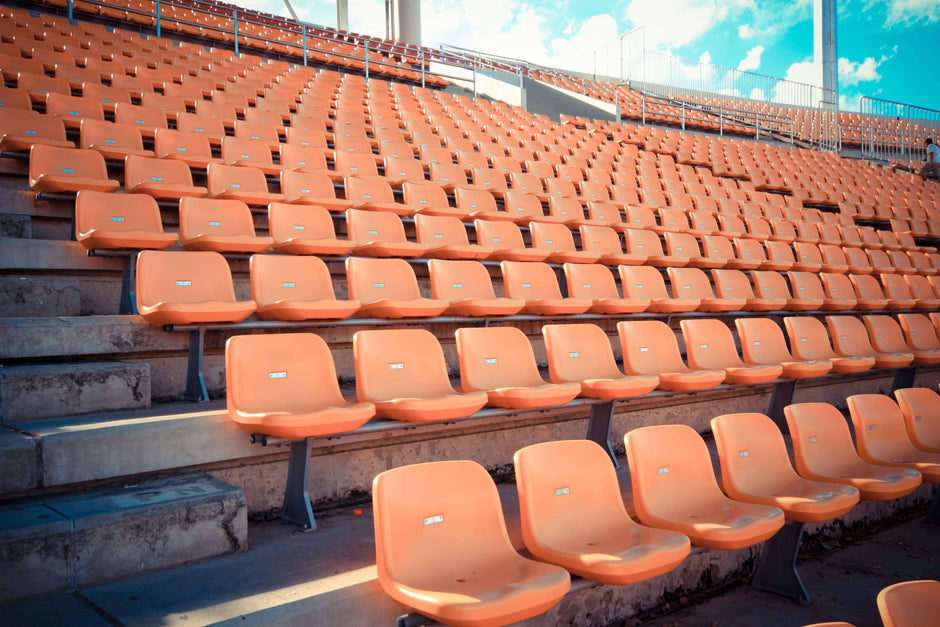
<point>650,348</point>
<point>288,287</point>
<point>105,220</point>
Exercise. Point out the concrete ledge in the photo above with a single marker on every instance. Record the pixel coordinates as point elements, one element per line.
<point>41,254</point>
<point>15,226</point>
<point>36,296</point>
<point>29,393</point>
<point>85,539</point>
<point>18,459</point>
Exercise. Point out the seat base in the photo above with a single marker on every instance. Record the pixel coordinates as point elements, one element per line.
<point>776,569</point>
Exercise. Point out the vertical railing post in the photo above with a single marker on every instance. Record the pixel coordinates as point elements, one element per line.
<point>422,67</point>
<point>305,44</point>
<point>158,17</point>
<point>235,27</point>
<point>70,10</point>
<point>366,47</point>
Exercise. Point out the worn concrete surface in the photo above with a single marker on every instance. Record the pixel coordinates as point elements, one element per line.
<point>18,462</point>
<point>328,577</point>
<point>23,296</point>
<point>42,254</point>
<point>86,538</point>
<point>15,226</point>
<point>28,393</point>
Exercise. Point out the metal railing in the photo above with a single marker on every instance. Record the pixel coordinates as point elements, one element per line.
<point>895,132</point>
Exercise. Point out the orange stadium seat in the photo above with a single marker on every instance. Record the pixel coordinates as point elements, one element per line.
<point>850,339</point>
<point>285,386</point>
<point>380,234</point>
<point>247,184</point>
<point>464,572</point>
<point>909,603</point>
<point>809,341</point>
<point>670,462</point>
<point>388,288</point>
<point>823,451</point>
<point>187,287</point>
<point>467,286</point>
<point>558,240</point>
<point>304,230</point>
<point>58,170</point>
<point>762,342</point>
<point>881,436</point>
<point>921,410</point>
<point>21,129</point>
<point>104,220</point>
<point>505,242</point>
<point>287,287</point>
<point>582,353</point>
<point>709,345</point>
<point>219,225</point>
<point>500,362</point>
<point>647,283</point>
<point>650,347</point>
<point>596,283</point>
<point>692,283</point>
<point>161,178</point>
<point>536,284</point>
<point>446,238</point>
<point>606,545</point>
<point>404,373</point>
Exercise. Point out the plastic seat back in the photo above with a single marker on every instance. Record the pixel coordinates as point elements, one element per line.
<point>880,433</point>
<point>762,341</point>
<point>808,338</point>
<point>215,217</point>
<point>438,231</point>
<point>885,334</point>
<point>866,287</point>
<point>190,147</point>
<point>770,285</point>
<point>67,170</point>
<point>909,603</point>
<point>849,336</point>
<point>285,385</point>
<point>709,345</point>
<point>496,357</point>
<point>649,347</point>
<point>399,364</point>
<point>182,277</point>
<point>918,331</point>
<point>732,284</point>
<point>590,281</point>
<point>114,141</point>
<point>579,352</point>
<point>289,278</point>
<point>458,279</point>
<point>20,129</point>
<point>371,280</point>
<point>365,226</point>
<point>462,547</point>
<point>475,200</point>
<point>106,220</point>
<point>690,283</point>
<point>528,280</point>
<point>552,237</point>
<point>143,174</point>
<point>643,282</point>
<point>642,242</point>
<point>921,410</point>
<point>838,287</point>
<point>806,285</point>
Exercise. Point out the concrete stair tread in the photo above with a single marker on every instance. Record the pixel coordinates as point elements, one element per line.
<point>115,532</point>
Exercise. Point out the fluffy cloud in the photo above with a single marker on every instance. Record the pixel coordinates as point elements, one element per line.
<point>853,73</point>
<point>908,12</point>
<point>751,60</point>
<point>757,94</point>
<point>680,22</point>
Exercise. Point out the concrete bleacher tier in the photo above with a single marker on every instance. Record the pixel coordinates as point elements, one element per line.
<point>219,270</point>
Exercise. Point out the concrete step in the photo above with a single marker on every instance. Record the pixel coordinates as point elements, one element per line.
<point>328,577</point>
<point>15,226</point>
<point>30,296</point>
<point>84,539</point>
<point>41,392</point>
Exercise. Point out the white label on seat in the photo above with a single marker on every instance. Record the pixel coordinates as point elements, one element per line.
<point>703,346</point>
<point>433,520</point>
<point>69,170</point>
<point>644,349</point>
<point>378,285</point>
<point>110,141</point>
<point>490,361</point>
<point>757,343</point>
<point>117,219</point>
<point>586,286</point>
<point>235,185</point>
<point>213,223</point>
<point>396,366</point>
<point>562,491</point>
<point>183,283</point>
<point>438,236</point>
<point>574,354</point>
<point>548,241</point>
<point>367,195</point>
<point>305,191</point>
<point>526,285</point>
<point>802,339</point>
<point>744,453</point>
<point>373,232</point>
<point>842,336</point>
<point>495,239</point>
<point>878,335</point>
<point>286,284</point>
<point>298,227</point>
<point>916,418</point>
<point>156,178</point>
<point>811,439</point>
<point>662,471</point>
<point>456,284</point>
<point>277,375</point>
<point>871,427</point>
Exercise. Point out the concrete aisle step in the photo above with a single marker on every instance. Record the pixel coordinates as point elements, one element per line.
<point>328,577</point>
<point>29,393</point>
<point>31,296</point>
<point>83,539</point>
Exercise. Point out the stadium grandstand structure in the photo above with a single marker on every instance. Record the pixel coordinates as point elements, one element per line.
<point>256,269</point>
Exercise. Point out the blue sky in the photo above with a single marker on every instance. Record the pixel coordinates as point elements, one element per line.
<point>887,49</point>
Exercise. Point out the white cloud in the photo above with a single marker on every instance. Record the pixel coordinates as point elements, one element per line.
<point>757,94</point>
<point>908,12</point>
<point>577,52</point>
<point>852,73</point>
<point>751,60</point>
<point>678,22</point>
<point>746,31</point>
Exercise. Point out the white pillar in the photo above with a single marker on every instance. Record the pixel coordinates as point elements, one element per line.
<point>342,14</point>
<point>409,22</point>
<point>825,54</point>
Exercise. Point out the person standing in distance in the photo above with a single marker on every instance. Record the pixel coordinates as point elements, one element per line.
<point>931,169</point>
